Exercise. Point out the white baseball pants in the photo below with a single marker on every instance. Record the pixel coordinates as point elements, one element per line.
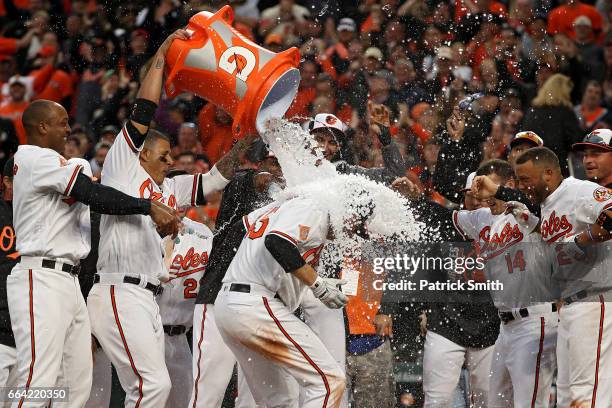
<point>584,353</point>
<point>52,332</point>
<point>102,381</point>
<point>272,346</point>
<point>178,361</point>
<point>8,368</point>
<point>524,362</point>
<point>126,321</point>
<point>213,364</point>
<point>328,325</point>
<point>442,363</point>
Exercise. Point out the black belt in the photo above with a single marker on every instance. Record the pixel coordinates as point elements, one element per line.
<point>71,269</point>
<point>240,287</point>
<point>507,317</point>
<point>574,298</point>
<point>156,289</point>
<point>244,288</point>
<point>174,330</point>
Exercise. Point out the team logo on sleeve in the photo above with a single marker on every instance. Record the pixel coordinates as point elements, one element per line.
<point>63,162</point>
<point>602,194</point>
<point>304,231</point>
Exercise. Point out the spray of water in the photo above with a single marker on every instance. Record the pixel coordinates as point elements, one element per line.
<point>346,198</point>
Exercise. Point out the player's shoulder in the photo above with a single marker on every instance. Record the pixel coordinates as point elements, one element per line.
<point>197,228</point>
<point>35,156</point>
<point>588,189</point>
<point>83,163</point>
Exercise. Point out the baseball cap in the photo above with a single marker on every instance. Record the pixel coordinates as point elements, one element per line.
<point>583,21</point>
<point>16,80</point>
<point>444,53</point>
<point>601,138</point>
<point>326,120</point>
<point>468,182</point>
<point>373,52</point>
<point>527,136</point>
<point>346,24</point>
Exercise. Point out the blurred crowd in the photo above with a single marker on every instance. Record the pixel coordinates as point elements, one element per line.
<point>532,59</point>
<point>541,65</point>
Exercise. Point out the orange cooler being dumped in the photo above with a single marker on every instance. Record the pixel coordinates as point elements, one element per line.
<point>219,64</point>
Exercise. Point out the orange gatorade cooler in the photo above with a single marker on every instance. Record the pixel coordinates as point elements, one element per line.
<point>219,64</point>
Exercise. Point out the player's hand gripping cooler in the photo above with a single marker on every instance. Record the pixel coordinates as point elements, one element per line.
<point>221,65</point>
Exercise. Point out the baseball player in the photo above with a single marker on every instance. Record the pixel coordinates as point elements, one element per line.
<point>597,158</point>
<point>122,304</point>
<point>8,259</point>
<point>571,213</point>
<point>48,313</point>
<point>522,141</point>
<point>269,341</point>
<point>523,362</point>
<point>459,334</point>
<point>330,133</point>
<point>213,362</point>
<point>187,257</point>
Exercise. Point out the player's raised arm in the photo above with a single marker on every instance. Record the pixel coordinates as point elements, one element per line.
<point>149,93</point>
<point>192,189</point>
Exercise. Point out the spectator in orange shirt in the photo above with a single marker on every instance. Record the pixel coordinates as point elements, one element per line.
<point>215,131</point>
<point>14,107</point>
<point>336,59</point>
<point>59,87</point>
<point>561,19</point>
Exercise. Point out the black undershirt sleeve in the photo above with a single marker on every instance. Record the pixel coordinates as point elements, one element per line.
<point>285,253</point>
<point>200,200</point>
<point>106,200</point>
<point>137,138</point>
<point>509,194</point>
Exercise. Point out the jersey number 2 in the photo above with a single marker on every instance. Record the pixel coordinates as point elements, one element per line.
<point>517,262</point>
<point>191,286</point>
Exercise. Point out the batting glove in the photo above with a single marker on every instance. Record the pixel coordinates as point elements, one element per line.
<point>522,215</point>
<point>328,292</point>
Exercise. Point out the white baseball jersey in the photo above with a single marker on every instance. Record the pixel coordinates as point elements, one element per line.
<point>569,210</point>
<point>300,222</point>
<point>131,243</point>
<point>189,260</point>
<point>47,221</point>
<point>514,256</point>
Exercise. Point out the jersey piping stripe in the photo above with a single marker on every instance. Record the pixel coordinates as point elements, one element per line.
<point>286,236</point>
<point>128,139</point>
<point>72,178</point>
<point>602,315</point>
<point>127,350</point>
<point>301,350</point>
<point>197,379</point>
<point>32,336</point>
<point>538,360</point>
<point>194,189</point>
<point>456,224</point>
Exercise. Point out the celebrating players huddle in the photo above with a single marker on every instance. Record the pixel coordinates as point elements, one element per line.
<point>542,236</point>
